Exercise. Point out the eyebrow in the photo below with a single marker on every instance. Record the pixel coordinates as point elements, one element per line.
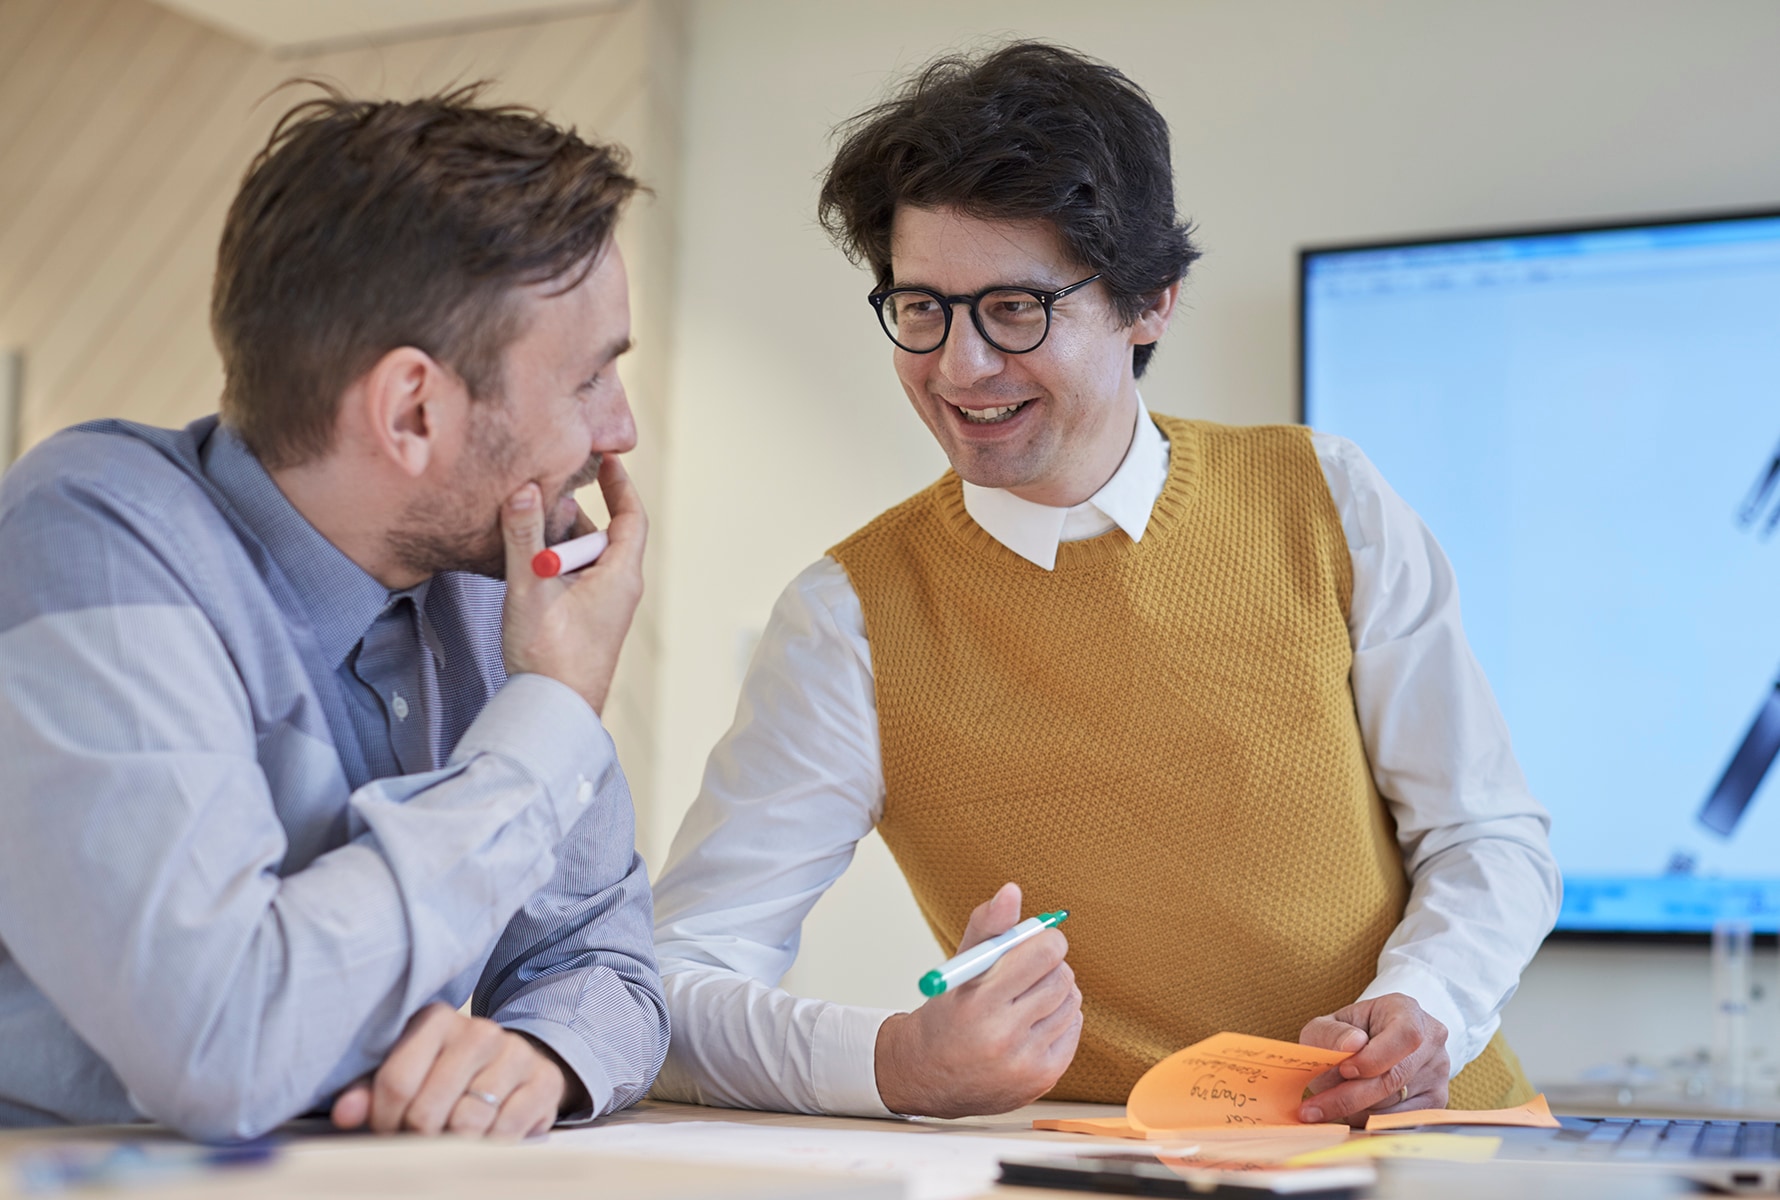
<point>1000,283</point>
<point>612,350</point>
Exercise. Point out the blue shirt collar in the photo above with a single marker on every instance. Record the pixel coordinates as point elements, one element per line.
<point>338,596</point>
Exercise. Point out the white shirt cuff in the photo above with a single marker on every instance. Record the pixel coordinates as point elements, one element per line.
<point>1428,990</point>
<point>844,1063</point>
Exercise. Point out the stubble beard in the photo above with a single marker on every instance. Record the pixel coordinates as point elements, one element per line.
<point>461,531</point>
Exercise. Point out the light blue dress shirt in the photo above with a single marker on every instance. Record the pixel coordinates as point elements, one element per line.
<point>256,811</point>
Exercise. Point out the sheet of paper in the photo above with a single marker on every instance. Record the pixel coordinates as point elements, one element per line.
<point>1228,1079</point>
<point>1535,1113</point>
<point>933,1165</point>
<point>1436,1147</point>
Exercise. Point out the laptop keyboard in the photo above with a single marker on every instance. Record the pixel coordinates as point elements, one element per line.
<point>1622,1139</point>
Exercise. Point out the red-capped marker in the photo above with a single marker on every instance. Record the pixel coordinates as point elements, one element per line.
<point>568,556</point>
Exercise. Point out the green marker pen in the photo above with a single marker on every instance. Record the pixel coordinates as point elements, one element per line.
<point>967,966</point>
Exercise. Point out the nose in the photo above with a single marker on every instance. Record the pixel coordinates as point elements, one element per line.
<point>966,358</point>
<point>616,432</point>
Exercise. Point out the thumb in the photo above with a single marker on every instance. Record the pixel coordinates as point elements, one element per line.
<point>352,1107</point>
<point>522,528</point>
<point>1000,913</point>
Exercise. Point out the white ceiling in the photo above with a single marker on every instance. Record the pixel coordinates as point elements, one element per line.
<point>284,24</point>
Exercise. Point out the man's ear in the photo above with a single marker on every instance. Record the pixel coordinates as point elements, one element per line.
<point>1152,322</point>
<point>412,408</point>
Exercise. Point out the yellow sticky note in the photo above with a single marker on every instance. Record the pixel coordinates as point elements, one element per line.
<point>1535,1113</point>
<point>1436,1147</point>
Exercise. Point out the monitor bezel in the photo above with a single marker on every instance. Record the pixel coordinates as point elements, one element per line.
<point>1619,937</point>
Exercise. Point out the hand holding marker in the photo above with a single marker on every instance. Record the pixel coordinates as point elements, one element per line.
<point>964,967</point>
<point>568,556</point>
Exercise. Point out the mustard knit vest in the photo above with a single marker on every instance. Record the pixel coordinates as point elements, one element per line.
<point>1159,737</point>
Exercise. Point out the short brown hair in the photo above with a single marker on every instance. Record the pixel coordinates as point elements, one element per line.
<point>1027,131</point>
<point>363,226</point>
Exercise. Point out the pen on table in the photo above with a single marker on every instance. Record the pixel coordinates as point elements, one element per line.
<point>968,964</point>
<point>568,556</point>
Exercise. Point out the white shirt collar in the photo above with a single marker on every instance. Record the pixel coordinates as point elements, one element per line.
<point>1034,531</point>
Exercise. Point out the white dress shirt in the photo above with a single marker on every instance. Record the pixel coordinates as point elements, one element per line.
<point>798,780</point>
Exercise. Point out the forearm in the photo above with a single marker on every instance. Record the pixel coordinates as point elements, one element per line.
<point>225,996</point>
<point>739,1043</point>
<point>575,968</point>
<point>1478,911</point>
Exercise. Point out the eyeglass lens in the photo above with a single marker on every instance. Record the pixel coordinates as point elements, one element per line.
<point>1011,320</point>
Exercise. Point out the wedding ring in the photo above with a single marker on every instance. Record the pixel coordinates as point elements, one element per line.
<point>488,1098</point>
<point>1403,1094</point>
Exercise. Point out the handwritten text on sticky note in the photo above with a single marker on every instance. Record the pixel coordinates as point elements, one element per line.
<point>1228,1079</point>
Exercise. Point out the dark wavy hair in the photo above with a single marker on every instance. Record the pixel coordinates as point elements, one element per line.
<point>1026,131</point>
<point>363,226</point>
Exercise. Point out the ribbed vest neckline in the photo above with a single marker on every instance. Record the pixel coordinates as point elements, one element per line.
<point>1176,501</point>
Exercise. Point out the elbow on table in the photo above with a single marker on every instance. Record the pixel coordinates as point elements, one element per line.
<point>221,1108</point>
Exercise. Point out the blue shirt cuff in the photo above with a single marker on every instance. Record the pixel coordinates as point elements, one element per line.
<point>573,1050</point>
<point>552,734</point>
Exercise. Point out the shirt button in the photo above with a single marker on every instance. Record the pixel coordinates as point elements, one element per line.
<point>584,793</point>
<point>400,706</point>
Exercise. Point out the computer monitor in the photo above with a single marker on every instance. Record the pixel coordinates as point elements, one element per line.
<point>1588,420</point>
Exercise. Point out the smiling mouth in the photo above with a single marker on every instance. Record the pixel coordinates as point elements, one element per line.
<point>990,416</point>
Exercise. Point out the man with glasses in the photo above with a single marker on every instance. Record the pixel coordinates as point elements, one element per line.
<point>1205,687</point>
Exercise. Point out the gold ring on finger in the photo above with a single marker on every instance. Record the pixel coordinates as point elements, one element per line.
<point>489,1098</point>
<point>1403,1094</point>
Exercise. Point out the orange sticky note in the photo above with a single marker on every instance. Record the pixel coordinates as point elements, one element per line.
<point>1535,1113</point>
<point>1227,1083</point>
<point>1228,1079</point>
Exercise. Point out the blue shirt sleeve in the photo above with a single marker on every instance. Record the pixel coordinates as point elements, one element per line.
<point>143,886</point>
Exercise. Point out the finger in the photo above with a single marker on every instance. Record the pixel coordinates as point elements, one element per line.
<point>629,526</point>
<point>399,1078</point>
<point>995,916</point>
<point>473,1115</point>
<point>1052,992</point>
<point>352,1107</point>
<point>516,1062</point>
<point>1399,1037</point>
<point>1359,1096</point>
<point>474,1045</point>
<point>1061,1051</point>
<point>528,1111</point>
<point>1021,967</point>
<point>1048,1027</point>
<point>1332,1034</point>
<point>522,530</point>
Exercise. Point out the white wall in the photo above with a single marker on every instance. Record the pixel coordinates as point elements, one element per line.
<point>1294,123</point>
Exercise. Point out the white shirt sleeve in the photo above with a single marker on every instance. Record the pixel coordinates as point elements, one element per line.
<point>787,793</point>
<point>1484,887</point>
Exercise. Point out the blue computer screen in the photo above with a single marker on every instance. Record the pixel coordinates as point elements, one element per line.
<point>1589,422</point>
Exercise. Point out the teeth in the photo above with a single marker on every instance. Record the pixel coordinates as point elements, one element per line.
<point>988,416</point>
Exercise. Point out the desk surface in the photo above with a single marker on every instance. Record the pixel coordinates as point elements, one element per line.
<point>317,1162</point>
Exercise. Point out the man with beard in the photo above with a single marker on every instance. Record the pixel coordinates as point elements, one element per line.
<point>290,773</point>
<point>1206,687</point>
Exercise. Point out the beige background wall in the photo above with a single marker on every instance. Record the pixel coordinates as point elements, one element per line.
<point>1294,122</point>
<point>125,128</point>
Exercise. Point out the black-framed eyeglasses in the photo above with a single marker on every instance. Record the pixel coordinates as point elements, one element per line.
<point>1014,320</point>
